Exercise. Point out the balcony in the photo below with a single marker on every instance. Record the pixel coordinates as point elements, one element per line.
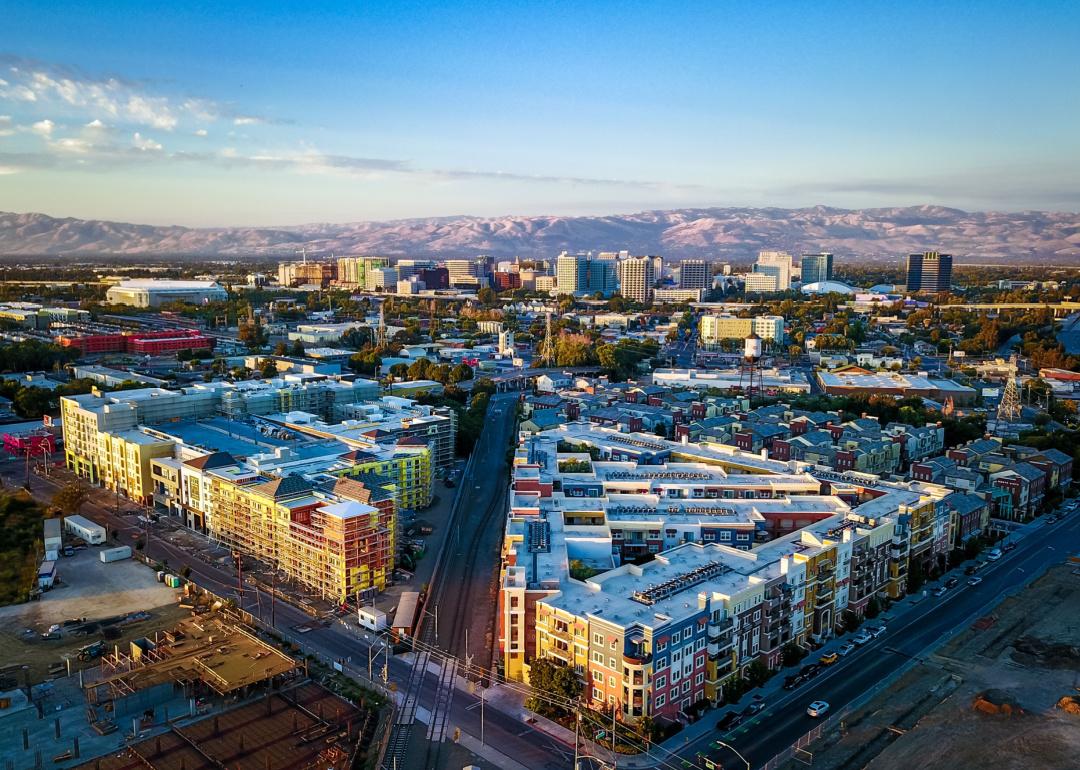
<point>716,630</point>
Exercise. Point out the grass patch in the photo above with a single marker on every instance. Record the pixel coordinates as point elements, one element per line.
<point>21,542</point>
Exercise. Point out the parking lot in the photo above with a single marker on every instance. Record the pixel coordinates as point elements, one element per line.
<point>107,596</point>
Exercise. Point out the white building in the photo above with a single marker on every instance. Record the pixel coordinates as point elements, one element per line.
<point>150,292</point>
<point>714,329</point>
<point>761,283</point>
<point>636,279</point>
<point>777,263</point>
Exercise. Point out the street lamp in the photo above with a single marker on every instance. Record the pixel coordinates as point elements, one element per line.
<point>735,752</point>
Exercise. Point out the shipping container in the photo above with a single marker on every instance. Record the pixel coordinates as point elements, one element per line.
<point>53,535</point>
<point>115,554</point>
<point>82,527</point>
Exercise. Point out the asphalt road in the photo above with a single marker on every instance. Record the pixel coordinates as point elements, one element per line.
<point>913,636</point>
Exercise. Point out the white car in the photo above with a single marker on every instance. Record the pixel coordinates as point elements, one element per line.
<point>845,648</point>
<point>861,638</point>
<point>875,631</point>
<point>993,554</point>
<point>817,709</point>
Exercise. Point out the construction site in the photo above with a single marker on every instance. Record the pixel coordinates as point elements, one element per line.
<point>207,692</point>
<point>1003,693</point>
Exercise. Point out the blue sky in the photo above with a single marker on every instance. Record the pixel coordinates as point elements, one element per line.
<point>248,114</point>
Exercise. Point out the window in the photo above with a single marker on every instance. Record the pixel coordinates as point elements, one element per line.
<point>660,701</point>
<point>675,637</point>
<point>699,679</point>
<point>757,615</point>
<point>725,534</point>
<point>613,644</point>
<point>598,657</point>
<point>598,676</point>
<point>598,639</point>
<point>660,682</point>
<point>611,681</point>
<point>611,662</point>
<point>597,694</point>
<point>661,646</point>
<point>686,686</point>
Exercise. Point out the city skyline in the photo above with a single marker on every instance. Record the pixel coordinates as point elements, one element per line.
<point>257,117</point>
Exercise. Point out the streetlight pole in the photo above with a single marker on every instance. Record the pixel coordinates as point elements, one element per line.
<point>734,751</point>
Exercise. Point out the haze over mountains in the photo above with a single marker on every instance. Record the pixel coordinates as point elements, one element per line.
<point>720,233</point>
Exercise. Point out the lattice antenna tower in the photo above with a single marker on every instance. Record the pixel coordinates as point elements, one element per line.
<point>1009,409</point>
<point>380,337</point>
<point>547,347</point>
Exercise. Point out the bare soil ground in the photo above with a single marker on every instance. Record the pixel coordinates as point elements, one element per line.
<point>1024,653</point>
<point>108,596</point>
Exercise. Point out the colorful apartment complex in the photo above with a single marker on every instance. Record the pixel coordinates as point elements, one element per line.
<point>320,508</point>
<point>650,639</point>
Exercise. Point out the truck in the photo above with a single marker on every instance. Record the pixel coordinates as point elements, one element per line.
<point>115,554</point>
<point>82,527</point>
<point>91,651</point>
<point>46,575</point>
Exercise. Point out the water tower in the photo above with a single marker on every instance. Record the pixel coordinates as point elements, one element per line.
<point>750,370</point>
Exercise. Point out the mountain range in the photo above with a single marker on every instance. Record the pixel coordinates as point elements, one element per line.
<point>735,234</point>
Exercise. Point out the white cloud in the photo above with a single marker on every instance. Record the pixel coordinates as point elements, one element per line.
<point>112,98</point>
<point>72,145</point>
<point>6,126</point>
<point>43,127</point>
<point>201,132</point>
<point>146,144</point>
<point>95,124</point>
<point>6,170</point>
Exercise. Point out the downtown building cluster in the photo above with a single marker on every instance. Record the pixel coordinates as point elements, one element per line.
<point>653,638</point>
<point>266,468</point>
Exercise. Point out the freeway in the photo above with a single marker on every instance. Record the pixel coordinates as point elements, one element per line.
<point>909,638</point>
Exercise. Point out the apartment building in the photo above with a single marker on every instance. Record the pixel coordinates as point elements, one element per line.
<point>328,541</point>
<point>650,640</point>
<point>714,329</point>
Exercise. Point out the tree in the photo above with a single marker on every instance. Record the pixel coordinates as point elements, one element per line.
<point>460,373</point>
<point>551,680</point>
<point>487,296</point>
<point>399,371</point>
<point>791,654</point>
<point>297,349</point>
<point>70,497</point>
<point>852,621</point>
<point>873,608</point>
<point>269,369</point>
<point>280,349</point>
<point>757,673</point>
<point>916,577</point>
<point>253,335</point>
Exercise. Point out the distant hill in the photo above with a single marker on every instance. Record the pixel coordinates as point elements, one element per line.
<point>719,233</point>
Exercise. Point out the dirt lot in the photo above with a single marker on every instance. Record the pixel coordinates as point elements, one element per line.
<point>927,719</point>
<point>108,596</point>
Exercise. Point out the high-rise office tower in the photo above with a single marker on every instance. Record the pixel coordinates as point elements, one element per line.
<point>584,273</point>
<point>636,279</point>
<point>817,268</point>
<point>694,274</point>
<point>777,263</point>
<point>929,271</point>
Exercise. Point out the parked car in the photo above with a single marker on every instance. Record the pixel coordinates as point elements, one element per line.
<point>817,709</point>
<point>810,669</point>
<point>845,648</point>
<point>861,638</point>
<point>941,591</point>
<point>1008,547</point>
<point>993,554</point>
<point>729,721</point>
<point>952,582</point>
<point>975,581</point>
<point>829,658</point>
<point>876,631</point>
<point>793,681</point>
<point>754,708</point>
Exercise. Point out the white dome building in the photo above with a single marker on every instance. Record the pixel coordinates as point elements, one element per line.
<point>827,287</point>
